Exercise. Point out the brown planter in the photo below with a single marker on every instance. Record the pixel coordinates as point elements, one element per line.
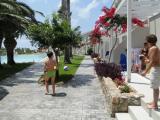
<point>118,101</point>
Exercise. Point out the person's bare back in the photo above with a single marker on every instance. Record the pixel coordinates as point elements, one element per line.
<point>154,55</point>
<point>50,64</point>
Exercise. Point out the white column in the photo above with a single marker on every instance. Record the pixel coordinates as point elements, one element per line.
<point>129,38</point>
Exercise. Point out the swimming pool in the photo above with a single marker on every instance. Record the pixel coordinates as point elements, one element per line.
<point>37,57</point>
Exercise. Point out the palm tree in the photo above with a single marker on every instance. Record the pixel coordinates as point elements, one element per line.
<point>1,38</point>
<point>6,6</point>
<point>14,19</point>
<point>65,14</point>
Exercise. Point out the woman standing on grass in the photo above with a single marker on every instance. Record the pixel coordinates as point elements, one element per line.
<point>50,67</point>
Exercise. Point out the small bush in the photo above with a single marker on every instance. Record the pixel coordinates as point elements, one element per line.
<point>111,70</point>
<point>94,55</point>
<point>89,51</point>
<point>124,88</point>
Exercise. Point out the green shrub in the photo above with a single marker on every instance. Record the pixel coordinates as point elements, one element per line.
<point>124,88</point>
<point>89,51</point>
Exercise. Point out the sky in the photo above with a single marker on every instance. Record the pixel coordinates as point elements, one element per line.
<point>84,13</point>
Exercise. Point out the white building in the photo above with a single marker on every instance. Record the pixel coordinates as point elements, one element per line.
<point>146,10</point>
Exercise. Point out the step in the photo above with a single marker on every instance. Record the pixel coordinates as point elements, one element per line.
<point>123,116</point>
<point>138,113</point>
<point>155,114</point>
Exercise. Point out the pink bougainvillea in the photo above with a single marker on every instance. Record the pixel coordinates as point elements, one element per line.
<point>138,22</point>
<point>109,21</point>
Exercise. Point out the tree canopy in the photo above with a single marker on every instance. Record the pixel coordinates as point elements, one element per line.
<point>56,33</point>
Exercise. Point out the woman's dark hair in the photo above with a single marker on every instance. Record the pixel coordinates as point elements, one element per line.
<point>50,54</point>
<point>151,39</point>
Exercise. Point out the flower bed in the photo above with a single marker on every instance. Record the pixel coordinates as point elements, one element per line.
<point>117,92</point>
<point>118,100</point>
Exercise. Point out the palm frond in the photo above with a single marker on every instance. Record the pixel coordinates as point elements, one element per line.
<point>13,16</point>
<point>40,13</point>
<point>6,6</point>
<point>25,9</point>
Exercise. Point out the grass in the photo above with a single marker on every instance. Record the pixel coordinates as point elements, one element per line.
<point>65,76</point>
<point>8,70</point>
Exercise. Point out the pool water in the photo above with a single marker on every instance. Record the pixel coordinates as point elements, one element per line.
<point>37,57</point>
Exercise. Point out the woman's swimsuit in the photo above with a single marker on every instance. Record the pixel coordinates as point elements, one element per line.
<point>51,73</point>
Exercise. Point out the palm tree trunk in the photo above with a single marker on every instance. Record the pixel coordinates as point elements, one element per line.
<point>10,44</point>
<point>1,39</point>
<point>66,56</point>
<point>70,51</point>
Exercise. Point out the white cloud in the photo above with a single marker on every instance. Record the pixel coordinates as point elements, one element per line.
<point>85,12</point>
<point>73,2</point>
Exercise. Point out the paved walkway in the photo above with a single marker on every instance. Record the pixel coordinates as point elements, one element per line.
<point>81,99</point>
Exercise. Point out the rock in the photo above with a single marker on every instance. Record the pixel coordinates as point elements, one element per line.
<point>118,101</point>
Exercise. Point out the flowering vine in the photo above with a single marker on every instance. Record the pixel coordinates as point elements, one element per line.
<point>111,20</point>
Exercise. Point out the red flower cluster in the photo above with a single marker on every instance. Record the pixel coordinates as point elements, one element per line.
<point>137,22</point>
<point>101,20</point>
<point>95,35</point>
<point>119,81</point>
<point>109,12</point>
<point>110,20</point>
<point>124,27</point>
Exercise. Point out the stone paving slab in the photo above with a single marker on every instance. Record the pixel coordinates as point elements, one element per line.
<point>22,98</point>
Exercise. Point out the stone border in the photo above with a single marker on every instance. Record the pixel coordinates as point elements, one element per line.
<point>118,101</point>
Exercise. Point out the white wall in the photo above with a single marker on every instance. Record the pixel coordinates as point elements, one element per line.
<point>104,47</point>
<point>155,29</point>
<point>120,48</point>
<point>138,39</point>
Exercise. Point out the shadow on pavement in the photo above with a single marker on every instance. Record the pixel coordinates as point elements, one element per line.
<point>25,76</point>
<point>3,93</point>
<point>62,94</point>
<point>80,80</point>
<point>14,82</point>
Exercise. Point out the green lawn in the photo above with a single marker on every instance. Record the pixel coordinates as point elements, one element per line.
<point>7,70</point>
<point>64,75</point>
<point>67,75</point>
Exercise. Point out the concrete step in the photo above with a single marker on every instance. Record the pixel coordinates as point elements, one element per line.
<point>155,114</point>
<point>138,113</point>
<point>142,86</point>
<point>123,116</point>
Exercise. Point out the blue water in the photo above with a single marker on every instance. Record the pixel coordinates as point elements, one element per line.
<point>38,57</point>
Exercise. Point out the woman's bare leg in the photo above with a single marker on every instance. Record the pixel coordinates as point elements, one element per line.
<point>46,84</point>
<point>154,104</point>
